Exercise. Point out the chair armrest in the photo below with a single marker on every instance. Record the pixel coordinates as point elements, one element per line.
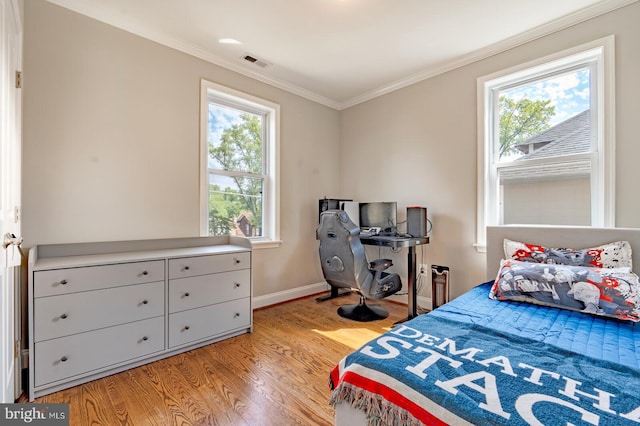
<point>380,264</point>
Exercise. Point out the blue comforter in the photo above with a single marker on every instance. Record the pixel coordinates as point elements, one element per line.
<point>597,337</point>
<point>488,362</point>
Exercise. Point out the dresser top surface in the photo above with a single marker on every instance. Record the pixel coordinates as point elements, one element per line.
<point>56,262</point>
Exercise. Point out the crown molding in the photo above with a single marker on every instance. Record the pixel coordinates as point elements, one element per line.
<point>241,69</point>
<point>104,16</point>
<point>510,43</point>
<point>518,40</point>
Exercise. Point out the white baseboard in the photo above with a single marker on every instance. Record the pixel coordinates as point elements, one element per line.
<point>421,301</point>
<point>285,296</point>
<point>424,302</point>
<point>307,290</point>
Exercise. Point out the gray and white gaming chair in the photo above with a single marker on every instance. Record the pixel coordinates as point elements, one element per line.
<point>344,265</point>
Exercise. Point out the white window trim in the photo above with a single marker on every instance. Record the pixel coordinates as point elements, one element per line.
<point>605,98</point>
<point>271,208</point>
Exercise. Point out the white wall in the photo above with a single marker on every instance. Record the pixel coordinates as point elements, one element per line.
<point>111,137</point>
<point>111,144</point>
<point>425,139</point>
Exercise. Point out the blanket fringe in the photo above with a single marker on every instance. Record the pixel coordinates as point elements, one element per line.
<point>378,410</point>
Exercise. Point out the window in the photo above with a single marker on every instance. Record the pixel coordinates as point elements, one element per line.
<point>546,141</point>
<point>239,151</point>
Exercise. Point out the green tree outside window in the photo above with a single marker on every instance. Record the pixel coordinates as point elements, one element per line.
<point>239,153</point>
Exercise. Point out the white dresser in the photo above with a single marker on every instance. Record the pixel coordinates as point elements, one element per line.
<point>99,308</point>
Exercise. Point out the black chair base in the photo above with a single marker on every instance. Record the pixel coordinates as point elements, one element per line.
<point>362,312</point>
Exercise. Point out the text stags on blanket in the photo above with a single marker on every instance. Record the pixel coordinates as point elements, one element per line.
<point>436,359</point>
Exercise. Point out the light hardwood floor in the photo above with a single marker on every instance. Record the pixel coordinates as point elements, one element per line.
<point>277,375</point>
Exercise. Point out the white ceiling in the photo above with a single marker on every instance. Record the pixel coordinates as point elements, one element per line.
<point>342,52</point>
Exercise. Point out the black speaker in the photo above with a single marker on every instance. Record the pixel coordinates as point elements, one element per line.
<point>417,221</point>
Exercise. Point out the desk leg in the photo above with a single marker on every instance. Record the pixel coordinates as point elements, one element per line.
<point>412,286</point>
<point>412,283</point>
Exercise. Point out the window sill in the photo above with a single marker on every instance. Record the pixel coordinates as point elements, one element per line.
<point>259,244</point>
<point>480,248</point>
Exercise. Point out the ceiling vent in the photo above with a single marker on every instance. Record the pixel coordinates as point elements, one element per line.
<point>255,60</point>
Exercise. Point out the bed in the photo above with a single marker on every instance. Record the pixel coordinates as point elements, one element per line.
<point>514,359</point>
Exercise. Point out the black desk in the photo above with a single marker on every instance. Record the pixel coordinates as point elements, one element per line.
<point>401,242</point>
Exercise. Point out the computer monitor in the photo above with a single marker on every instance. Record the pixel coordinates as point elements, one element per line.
<point>382,215</point>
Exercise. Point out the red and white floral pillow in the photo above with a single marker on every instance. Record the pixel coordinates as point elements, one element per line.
<point>612,255</point>
<point>611,292</point>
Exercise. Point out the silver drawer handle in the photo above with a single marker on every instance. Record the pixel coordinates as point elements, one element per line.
<point>63,316</point>
<point>63,282</point>
<point>64,359</point>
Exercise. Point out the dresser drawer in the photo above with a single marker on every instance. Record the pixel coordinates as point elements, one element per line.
<point>201,323</point>
<point>203,265</point>
<point>66,357</point>
<point>194,292</point>
<point>58,316</point>
<point>62,281</point>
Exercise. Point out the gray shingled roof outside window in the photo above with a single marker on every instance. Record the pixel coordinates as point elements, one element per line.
<point>571,136</point>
